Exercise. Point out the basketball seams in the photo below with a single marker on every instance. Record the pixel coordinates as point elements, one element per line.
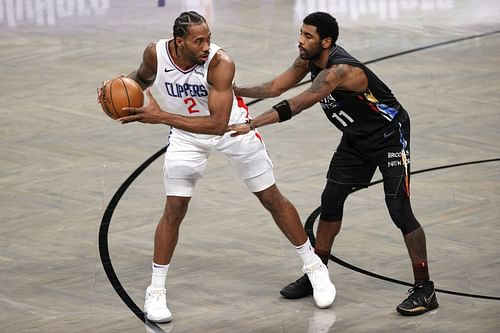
<point>111,98</point>
<point>141,96</point>
<point>126,91</point>
<point>134,86</point>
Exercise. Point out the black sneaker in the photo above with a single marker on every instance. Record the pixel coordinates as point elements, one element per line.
<point>422,298</point>
<point>298,289</point>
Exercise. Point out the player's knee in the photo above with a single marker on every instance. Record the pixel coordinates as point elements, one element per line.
<point>401,213</point>
<point>175,209</point>
<point>332,201</point>
<point>271,198</point>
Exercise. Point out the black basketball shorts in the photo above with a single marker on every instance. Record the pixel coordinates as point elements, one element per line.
<point>356,158</point>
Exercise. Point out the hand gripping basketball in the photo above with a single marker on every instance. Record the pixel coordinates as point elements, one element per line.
<point>116,94</point>
<point>149,114</point>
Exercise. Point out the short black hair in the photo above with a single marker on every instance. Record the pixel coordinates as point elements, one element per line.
<point>325,24</point>
<point>182,23</point>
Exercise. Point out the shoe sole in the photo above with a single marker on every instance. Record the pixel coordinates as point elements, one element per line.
<point>159,321</point>
<point>324,306</point>
<point>294,296</point>
<point>417,311</point>
<point>327,305</point>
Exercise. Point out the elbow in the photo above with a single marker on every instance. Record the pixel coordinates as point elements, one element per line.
<point>220,132</point>
<point>219,129</point>
<point>275,92</point>
<point>276,89</point>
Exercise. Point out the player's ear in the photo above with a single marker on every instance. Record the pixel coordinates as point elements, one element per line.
<point>326,43</point>
<point>178,41</point>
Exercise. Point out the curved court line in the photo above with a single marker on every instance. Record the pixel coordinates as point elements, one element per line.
<point>314,215</point>
<point>106,219</point>
<point>103,241</point>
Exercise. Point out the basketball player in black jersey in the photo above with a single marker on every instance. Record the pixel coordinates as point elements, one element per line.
<point>376,133</point>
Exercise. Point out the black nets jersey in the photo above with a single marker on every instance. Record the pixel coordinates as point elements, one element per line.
<point>358,113</point>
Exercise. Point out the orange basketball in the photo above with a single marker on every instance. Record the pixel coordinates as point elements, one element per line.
<point>119,93</point>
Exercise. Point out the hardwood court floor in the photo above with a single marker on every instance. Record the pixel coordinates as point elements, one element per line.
<point>62,160</point>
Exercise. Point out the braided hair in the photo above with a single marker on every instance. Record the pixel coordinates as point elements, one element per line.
<point>182,23</point>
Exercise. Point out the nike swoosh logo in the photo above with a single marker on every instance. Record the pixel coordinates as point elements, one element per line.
<point>386,135</point>
<point>428,300</point>
<point>169,70</point>
<point>158,266</point>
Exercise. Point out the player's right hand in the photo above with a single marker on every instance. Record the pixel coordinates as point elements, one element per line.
<point>150,113</point>
<point>239,129</point>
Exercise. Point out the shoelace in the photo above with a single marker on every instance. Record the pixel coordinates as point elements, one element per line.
<point>312,272</point>
<point>158,295</point>
<point>415,289</point>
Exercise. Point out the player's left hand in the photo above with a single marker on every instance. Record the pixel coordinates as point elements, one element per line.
<point>149,114</point>
<point>100,89</point>
<point>239,129</point>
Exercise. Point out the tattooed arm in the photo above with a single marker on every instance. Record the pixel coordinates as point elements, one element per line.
<point>286,80</point>
<point>340,76</point>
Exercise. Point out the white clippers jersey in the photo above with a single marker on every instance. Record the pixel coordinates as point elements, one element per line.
<point>185,92</point>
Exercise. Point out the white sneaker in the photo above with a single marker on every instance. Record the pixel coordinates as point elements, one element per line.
<point>323,289</point>
<point>155,305</point>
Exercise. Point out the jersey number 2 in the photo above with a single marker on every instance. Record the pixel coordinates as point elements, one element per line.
<point>192,103</point>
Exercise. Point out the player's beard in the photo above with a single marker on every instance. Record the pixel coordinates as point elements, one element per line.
<point>309,55</point>
<point>194,57</point>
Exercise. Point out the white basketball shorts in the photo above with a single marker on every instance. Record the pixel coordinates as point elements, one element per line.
<point>187,155</point>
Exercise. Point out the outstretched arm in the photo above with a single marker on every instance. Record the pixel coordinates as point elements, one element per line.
<point>286,80</point>
<point>338,76</point>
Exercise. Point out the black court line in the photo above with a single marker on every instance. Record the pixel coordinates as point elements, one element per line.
<point>309,225</point>
<point>106,219</point>
<point>103,241</point>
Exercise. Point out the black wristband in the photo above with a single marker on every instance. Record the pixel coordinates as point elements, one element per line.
<point>284,110</point>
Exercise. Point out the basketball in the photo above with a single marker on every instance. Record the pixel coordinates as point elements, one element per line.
<point>118,93</point>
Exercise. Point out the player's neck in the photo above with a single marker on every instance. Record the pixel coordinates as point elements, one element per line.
<point>322,60</point>
<point>177,57</point>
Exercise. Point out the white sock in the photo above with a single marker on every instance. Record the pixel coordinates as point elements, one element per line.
<point>159,276</point>
<point>306,253</point>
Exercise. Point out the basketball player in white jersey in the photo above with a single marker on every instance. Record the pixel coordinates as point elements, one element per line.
<point>192,79</point>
